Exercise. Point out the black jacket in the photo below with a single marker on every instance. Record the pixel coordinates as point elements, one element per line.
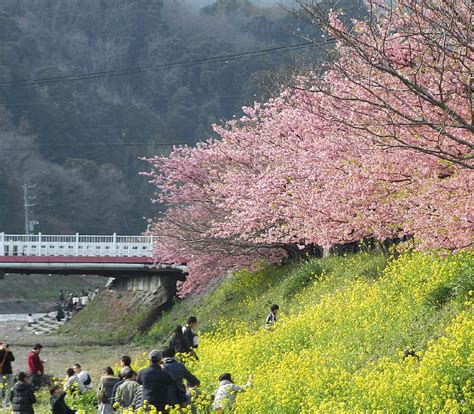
<point>114,390</point>
<point>107,387</point>
<point>189,335</point>
<point>7,365</point>
<point>179,372</point>
<point>155,383</point>
<point>59,406</point>
<point>177,391</point>
<point>22,398</point>
<point>180,343</point>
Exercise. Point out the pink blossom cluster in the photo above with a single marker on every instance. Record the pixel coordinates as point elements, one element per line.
<point>380,147</point>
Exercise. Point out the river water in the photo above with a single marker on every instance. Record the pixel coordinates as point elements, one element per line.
<point>10,317</point>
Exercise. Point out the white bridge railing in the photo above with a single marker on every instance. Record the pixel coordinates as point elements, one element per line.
<point>75,245</point>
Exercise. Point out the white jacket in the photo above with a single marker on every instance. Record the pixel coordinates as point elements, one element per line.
<point>227,393</point>
<point>74,380</point>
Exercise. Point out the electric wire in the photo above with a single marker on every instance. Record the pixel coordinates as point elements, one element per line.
<point>95,144</point>
<point>85,101</point>
<point>150,68</point>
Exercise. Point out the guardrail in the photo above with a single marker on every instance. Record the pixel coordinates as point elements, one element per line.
<point>75,245</point>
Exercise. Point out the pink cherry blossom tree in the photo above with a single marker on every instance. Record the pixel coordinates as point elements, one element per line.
<point>405,74</point>
<point>378,147</point>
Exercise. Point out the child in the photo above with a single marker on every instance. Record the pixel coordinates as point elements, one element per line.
<point>272,317</point>
<point>227,392</point>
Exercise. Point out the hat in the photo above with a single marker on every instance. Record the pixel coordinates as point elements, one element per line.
<point>155,355</point>
<point>124,371</point>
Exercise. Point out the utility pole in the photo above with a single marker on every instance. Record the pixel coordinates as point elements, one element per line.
<point>26,204</point>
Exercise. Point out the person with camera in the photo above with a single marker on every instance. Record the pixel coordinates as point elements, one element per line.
<point>6,373</point>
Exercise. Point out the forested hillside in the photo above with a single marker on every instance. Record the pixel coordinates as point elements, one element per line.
<point>79,141</point>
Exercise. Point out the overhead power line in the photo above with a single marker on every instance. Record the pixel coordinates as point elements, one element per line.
<point>176,98</point>
<point>151,68</point>
<point>94,144</point>
<point>92,127</point>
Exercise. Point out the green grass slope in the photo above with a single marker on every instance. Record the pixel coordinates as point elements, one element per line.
<point>246,297</point>
<point>113,317</point>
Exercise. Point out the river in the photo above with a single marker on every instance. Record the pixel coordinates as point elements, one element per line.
<point>10,317</point>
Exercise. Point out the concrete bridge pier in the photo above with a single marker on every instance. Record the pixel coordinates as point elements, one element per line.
<point>156,292</point>
<point>166,283</point>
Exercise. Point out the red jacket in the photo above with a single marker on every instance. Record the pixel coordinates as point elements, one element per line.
<point>34,363</point>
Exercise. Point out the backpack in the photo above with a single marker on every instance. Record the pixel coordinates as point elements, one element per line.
<point>88,380</point>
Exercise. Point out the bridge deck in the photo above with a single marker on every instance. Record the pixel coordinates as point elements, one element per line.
<point>102,266</point>
<point>113,255</point>
<point>75,259</point>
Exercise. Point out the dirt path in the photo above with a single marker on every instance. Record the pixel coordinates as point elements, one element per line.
<point>63,352</point>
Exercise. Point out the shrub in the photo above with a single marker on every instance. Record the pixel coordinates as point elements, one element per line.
<point>440,295</point>
<point>303,276</point>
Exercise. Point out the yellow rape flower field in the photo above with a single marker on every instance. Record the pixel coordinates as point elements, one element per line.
<point>402,341</point>
<point>355,334</point>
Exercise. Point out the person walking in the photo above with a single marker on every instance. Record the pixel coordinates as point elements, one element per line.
<point>179,342</point>
<point>58,405</point>
<point>155,382</point>
<point>272,317</point>
<point>104,392</point>
<point>189,332</point>
<point>61,296</point>
<point>6,373</point>
<point>226,393</point>
<point>177,392</point>
<point>36,366</point>
<point>22,395</point>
